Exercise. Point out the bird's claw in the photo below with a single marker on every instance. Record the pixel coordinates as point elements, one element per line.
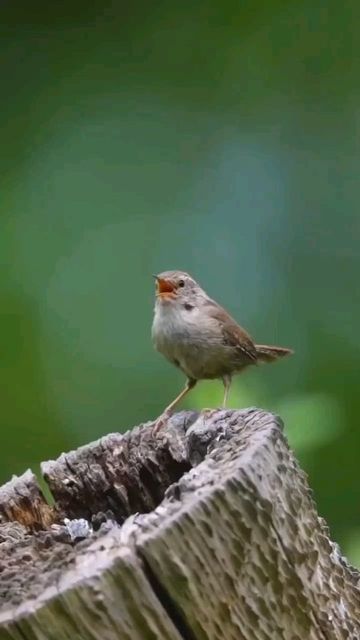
<point>160,423</point>
<point>208,412</point>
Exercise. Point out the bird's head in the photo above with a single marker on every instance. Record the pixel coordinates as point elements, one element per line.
<point>175,285</point>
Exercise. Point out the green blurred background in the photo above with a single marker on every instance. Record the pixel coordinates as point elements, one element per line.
<point>218,138</point>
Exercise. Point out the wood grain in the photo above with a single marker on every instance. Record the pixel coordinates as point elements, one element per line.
<point>209,532</point>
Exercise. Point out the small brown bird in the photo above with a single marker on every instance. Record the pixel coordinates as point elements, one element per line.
<point>200,337</point>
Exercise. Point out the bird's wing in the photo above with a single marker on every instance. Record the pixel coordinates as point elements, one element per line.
<point>233,334</point>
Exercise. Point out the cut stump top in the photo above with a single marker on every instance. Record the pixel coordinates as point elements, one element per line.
<point>208,531</point>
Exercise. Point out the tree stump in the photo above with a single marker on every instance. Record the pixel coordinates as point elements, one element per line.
<point>206,531</point>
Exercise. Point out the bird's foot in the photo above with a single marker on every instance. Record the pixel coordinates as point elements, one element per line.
<point>208,412</point>
<point>160,423</point>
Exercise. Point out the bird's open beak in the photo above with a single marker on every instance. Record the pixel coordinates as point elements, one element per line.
<point>164,286</point>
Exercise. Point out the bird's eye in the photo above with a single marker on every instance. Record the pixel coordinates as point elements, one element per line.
<point>181,283</point>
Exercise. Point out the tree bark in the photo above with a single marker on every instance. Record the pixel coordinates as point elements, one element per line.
<point>207,531</point>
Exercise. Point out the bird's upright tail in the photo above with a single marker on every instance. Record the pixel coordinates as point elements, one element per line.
<point>266,353</point>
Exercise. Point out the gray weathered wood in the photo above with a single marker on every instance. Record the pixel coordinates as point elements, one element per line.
<point>21,500</point>
<point>227,543</point>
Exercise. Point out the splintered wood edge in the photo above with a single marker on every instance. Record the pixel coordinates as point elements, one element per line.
<point>21,500</point>
<point>100,476</point>
<point>121,473</point>
<point>242,519</point>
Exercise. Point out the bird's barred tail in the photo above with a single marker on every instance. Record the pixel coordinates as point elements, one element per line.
<point>266,353</point>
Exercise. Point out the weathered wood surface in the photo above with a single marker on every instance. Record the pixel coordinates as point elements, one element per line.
<point>210,532</point>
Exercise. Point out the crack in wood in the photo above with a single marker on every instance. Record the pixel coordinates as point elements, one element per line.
<point>166,601</point>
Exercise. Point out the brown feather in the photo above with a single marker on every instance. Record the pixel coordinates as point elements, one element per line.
<point>234,335</point>
<point>267,353</point>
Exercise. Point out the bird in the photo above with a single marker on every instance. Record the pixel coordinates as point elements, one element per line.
<point>200,338</point>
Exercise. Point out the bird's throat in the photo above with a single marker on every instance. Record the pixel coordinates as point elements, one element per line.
<point>166,296</point>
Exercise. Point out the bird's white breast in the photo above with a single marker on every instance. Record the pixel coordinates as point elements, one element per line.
<point>173,325</point>
<point>187,338</point>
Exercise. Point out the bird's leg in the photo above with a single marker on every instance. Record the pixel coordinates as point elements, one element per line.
<point>227,385</point>
<point>160,422</point>
<point>190,384</point>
